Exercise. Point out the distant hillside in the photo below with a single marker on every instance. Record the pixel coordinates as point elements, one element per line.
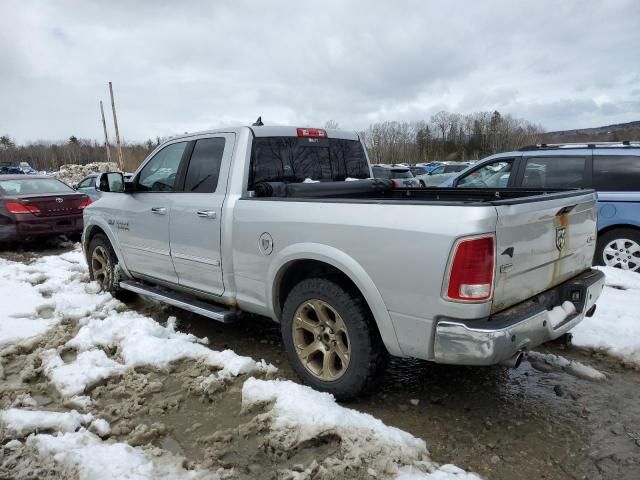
<point>608,133</point>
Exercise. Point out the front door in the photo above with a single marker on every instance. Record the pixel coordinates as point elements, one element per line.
<point>196,215</point>
<point>143,228</point>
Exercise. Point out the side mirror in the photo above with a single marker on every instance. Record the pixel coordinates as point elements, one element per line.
<point>111,182</point>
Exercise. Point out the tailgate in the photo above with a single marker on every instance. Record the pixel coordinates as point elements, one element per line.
<point>541,243</point>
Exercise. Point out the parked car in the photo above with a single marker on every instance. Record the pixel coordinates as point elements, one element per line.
<point>27,169</point>
<point>449,167</point>
<point>35,206</point>
<point>89,185</point>
<point>419,169</point>
<point>399,174</point>
<point>440,173</point>
<point>10,170</point>
<point>613,169</point>
<point>221,222</point>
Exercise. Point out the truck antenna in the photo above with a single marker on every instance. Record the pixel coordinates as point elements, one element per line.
<point>258,122</point>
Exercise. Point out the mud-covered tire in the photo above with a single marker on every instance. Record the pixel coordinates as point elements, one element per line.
<point>103,267</point>
<point>367,355</point>
<point>625,239</point>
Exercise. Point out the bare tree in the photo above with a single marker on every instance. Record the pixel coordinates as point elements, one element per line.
<point>331,125</point>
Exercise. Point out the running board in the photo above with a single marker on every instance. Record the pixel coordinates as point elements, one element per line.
<point>186,302</point>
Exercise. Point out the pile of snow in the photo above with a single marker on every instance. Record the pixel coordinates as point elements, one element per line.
<point>615,327</point>
<point>37,296</point>
<point>86,370</point>
<point>59,286</point>
<point>19,422</point>
<point>139,341</point>
<point>74,448</point>
<point>299,414</point>
<point>72,173</point>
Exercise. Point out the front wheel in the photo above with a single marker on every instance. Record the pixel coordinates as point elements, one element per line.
<point>619,248</point>
<point>103,267</point>
<point>330,338</point>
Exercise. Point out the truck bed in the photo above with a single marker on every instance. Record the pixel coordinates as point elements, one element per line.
<point>377,190</point>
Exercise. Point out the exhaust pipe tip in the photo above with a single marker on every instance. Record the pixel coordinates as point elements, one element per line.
<point>514,361</point>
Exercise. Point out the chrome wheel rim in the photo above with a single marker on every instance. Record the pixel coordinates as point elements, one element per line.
<point>321,340</point>
<point>101,267</point>
<point>622,253</point>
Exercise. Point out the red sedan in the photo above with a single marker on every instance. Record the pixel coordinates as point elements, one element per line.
<point>34,206</point>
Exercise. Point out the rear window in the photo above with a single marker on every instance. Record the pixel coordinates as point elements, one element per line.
<point>33,186</point>
<point>401,174</point>
<point>293,159</point>
<point>616,173</point>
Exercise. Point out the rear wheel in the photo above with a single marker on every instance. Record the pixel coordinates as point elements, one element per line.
<point>619,248</point>
<point>330,338</point>
<point>103,267</point>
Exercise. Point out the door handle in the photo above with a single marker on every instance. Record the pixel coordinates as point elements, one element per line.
<point>159,210</point>
<point>206,213</point>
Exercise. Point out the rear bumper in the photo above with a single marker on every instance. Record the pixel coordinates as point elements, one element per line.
<point>42,226</point>
<point>522,327</point>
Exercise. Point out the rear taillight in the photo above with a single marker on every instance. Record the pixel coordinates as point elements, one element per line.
<point>85,203</point>
<point>15,207</point>
<point>312,132</point>
<point>471,271</point>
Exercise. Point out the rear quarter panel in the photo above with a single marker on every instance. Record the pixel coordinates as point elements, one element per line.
<point>396,253</point>
<point>618,208</point>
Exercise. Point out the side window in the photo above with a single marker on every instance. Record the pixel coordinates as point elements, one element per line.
<point>492,175</point>
<point>87,182</point>
<point>438,170</point>
<point>554,172</point>
<point>159,174</point>
<point>616,173</point>
<point>204,166</point>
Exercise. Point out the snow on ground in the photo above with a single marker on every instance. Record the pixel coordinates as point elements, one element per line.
<point>18,316</point>
<point>572,367</point>
<point>86,370</point>
<point>299,414</point>
<point>86,454</point>
<point>615,327</point>
<point>58,287</point>
<point>37,296</point>
<point>21,422</point>
<point>111,340</point>
<point>94,459</point>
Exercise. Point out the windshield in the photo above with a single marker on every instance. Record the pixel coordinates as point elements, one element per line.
<point>492,175</point>
<point>293,159</point>
<point>33,186</point>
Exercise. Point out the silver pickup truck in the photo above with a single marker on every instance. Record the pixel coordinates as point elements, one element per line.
<point>266,220</point>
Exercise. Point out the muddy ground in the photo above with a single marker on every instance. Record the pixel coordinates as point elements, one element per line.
<point>533,422</point>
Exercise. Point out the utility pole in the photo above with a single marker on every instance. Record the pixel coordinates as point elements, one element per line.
<point>106,136</point>
<point>115,125</point>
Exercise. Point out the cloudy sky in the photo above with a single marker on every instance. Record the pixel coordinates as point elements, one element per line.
<point>186,66</point>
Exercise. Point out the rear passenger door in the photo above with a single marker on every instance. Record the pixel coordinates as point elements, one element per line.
<point>196,216</point>
<point>555,171</point>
